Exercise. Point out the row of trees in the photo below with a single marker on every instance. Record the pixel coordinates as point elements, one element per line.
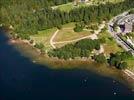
<point>30,16</point>
<point>117,60</point>
<point>82,48</point>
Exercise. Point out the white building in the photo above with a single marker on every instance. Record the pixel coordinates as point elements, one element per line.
<point>77,1</point>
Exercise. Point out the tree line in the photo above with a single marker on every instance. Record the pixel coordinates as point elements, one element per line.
<point>117,60</point>
<point>84,48</point>
<point>29,16</point>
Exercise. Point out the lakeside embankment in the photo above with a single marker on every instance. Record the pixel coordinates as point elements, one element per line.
<point>83,64</point>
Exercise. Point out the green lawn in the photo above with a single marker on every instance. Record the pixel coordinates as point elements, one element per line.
<point>69,34</point>
<point>69,25</point>
<point>66,7</point>
<point>69,6</point>
<point>130,62</point>
<point>105,1</point>
<point>44,37</point>
<point>110,46</point>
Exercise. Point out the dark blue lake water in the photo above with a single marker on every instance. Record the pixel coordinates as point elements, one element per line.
<point>20,79</point>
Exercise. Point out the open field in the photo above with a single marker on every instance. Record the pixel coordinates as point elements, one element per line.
<point>65,7</point>
<point>44,37</point>
<point>105,1</point>
<point>110,46</point>
<point>130,63</point>
<point>65,34</point>
<point>61,45</point>
<point>69,34</point>
<point>69,6</point>
<point>69,25</point>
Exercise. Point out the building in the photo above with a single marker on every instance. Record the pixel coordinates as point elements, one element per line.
<point>83,0</point>
<point>126,24</point>
<point>78,1</point>
<point>128,27</point>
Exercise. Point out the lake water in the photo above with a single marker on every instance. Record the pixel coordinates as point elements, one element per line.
<point>20,79</point>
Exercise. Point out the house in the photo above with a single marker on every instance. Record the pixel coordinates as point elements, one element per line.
<point>78,1</point>
<point>83,0</point>
<point>126,28</point>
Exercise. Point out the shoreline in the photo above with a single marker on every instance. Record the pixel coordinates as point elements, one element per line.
<point>87,64</point>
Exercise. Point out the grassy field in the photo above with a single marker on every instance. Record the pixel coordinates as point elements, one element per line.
<point>69,34</point>
<point>69,6</point>
<point>65,34</point>
<point>105,1</point>
<point>69,25</point>
<point>44,37</point>
<point>130,63</point>
<point>110,46</point>
<point>66,7</point>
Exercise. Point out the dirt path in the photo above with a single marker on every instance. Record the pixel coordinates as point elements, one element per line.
<point>52,38</point>
<point>93,36</point>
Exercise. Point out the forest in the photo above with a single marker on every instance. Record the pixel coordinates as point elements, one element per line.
<point>29,16</point>
<point>82,48</point>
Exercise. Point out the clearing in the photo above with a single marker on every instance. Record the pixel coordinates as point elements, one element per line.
<point>110,45</point>
<point>69,6</point>
<point>44,37</point>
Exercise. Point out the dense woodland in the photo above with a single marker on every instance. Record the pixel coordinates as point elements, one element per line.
<point>82,48</point>
<point>118,59</point>
<point>29,16</point>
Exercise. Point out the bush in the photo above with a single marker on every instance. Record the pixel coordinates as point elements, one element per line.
<point>79,27</point>
<point>59,27</point>
<point>39,45</point>
<point>100,58</point>
<point>102,40</point>
<point>118,59</point>
<point>122,65</point>
<point>81,48</point>
<point>24,36</point>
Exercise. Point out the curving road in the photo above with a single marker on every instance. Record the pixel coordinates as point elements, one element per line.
<point>52,38</point>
